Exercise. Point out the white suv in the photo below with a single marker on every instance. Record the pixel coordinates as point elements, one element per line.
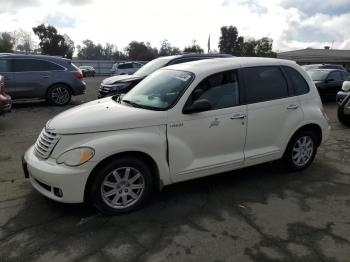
<point>182,122</point>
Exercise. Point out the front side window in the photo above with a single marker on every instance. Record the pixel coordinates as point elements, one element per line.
<point>297,81</point>
<point>264,83</point>
<point>335,76</point>
<point>221,90</point>
<point>346,76</point>
<point>5,65</point>
<point>318,75</point>
<point>160,90</point>
<point>136,65</point>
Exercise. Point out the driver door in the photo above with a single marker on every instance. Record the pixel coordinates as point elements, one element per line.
<point>212,141</point>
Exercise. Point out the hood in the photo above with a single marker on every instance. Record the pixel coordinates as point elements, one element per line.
<point>104,115</point>
<point>120,78</point>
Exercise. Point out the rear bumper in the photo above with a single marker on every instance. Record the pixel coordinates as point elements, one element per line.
<point>80,89</point>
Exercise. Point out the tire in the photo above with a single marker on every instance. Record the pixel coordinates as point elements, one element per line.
<point>59,95</point>
<point>306,142</point>
<point>112,194</point>
<point>344,119</point>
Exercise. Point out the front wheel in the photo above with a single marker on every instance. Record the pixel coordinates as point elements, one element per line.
<point>59,95</point>
<point>301,150</point>
<point>121,186</point>
<point>344,119</point>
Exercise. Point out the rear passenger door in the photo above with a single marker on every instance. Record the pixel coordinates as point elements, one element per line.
<point>32,77</point>
<point>273,111</point>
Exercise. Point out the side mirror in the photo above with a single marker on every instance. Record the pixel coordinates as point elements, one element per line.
<point>200,105</point>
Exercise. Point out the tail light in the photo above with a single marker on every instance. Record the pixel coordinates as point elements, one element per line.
<point>78,74</point>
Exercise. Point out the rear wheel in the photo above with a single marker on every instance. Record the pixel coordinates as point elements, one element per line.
<point>59,95</point>
<point>121,186</point>
<point>301,150</point>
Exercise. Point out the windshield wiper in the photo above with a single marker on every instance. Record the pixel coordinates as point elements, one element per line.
<point>132,103</point>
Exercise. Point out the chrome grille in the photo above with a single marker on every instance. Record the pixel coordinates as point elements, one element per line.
<point>45,143</point>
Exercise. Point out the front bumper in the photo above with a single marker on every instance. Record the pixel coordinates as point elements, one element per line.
<point>58,182</point>
<point>105,92</point>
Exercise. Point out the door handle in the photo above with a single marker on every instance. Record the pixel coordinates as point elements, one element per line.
<point>44,76</point>
<point>238,116</point>
<point>292,107</point>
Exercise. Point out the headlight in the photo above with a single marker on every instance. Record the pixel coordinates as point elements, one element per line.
<point>346,86</point>
<point>76,157</point>
<point>116,87</point>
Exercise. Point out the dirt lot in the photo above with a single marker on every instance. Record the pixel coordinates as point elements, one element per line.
<point>263,213</point>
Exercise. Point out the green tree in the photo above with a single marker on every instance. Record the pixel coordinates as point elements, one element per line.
<point>90,51</point>
<point>230,42</point>
<point>6,43</point>
<point>141,51</point>
<point>264,47</point>
<point>194,48</point>
<point>52,43</point>
<point>167,49</point>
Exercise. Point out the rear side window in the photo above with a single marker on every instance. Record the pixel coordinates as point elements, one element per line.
<point>5,65</point>
<point>125,66</point>
<point>30,65</point>
<point>221,90</point>
<point>264,83</point>
<point>297,81</point>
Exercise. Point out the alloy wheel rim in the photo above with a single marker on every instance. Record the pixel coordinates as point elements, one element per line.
<point>60,95</point>
<point>122,187</point>
<point>302,151</point>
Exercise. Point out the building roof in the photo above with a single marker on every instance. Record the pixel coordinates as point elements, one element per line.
<point>317,55</point>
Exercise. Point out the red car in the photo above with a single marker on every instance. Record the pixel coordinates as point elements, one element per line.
<point>5,100</point>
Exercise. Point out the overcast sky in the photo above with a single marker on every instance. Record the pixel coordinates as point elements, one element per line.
<point>292,24</point>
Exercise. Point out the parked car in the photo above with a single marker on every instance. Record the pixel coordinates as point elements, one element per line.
<point>123,84</point>
<point>5,100</point>
<point>343,100</point>
<point>126,68</point>
<point>32,76</point>
<point>87,71</point>
<point>328,81</point>
<point>182,122</point>
<point>323,66</point>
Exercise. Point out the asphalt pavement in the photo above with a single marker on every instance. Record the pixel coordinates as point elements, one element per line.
<point>261,213</point>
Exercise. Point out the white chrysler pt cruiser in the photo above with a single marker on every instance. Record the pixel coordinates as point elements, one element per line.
<point>181,122</point>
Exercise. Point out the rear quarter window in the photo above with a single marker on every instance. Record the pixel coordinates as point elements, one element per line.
<point>296,81</point>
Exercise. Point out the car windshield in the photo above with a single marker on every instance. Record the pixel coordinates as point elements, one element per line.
<point>317,75</point>
<point>152,66</point>
<point>160,90</point>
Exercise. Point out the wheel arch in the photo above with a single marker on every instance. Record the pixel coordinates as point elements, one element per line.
<point>315,128</point>
<point>157,183</point>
